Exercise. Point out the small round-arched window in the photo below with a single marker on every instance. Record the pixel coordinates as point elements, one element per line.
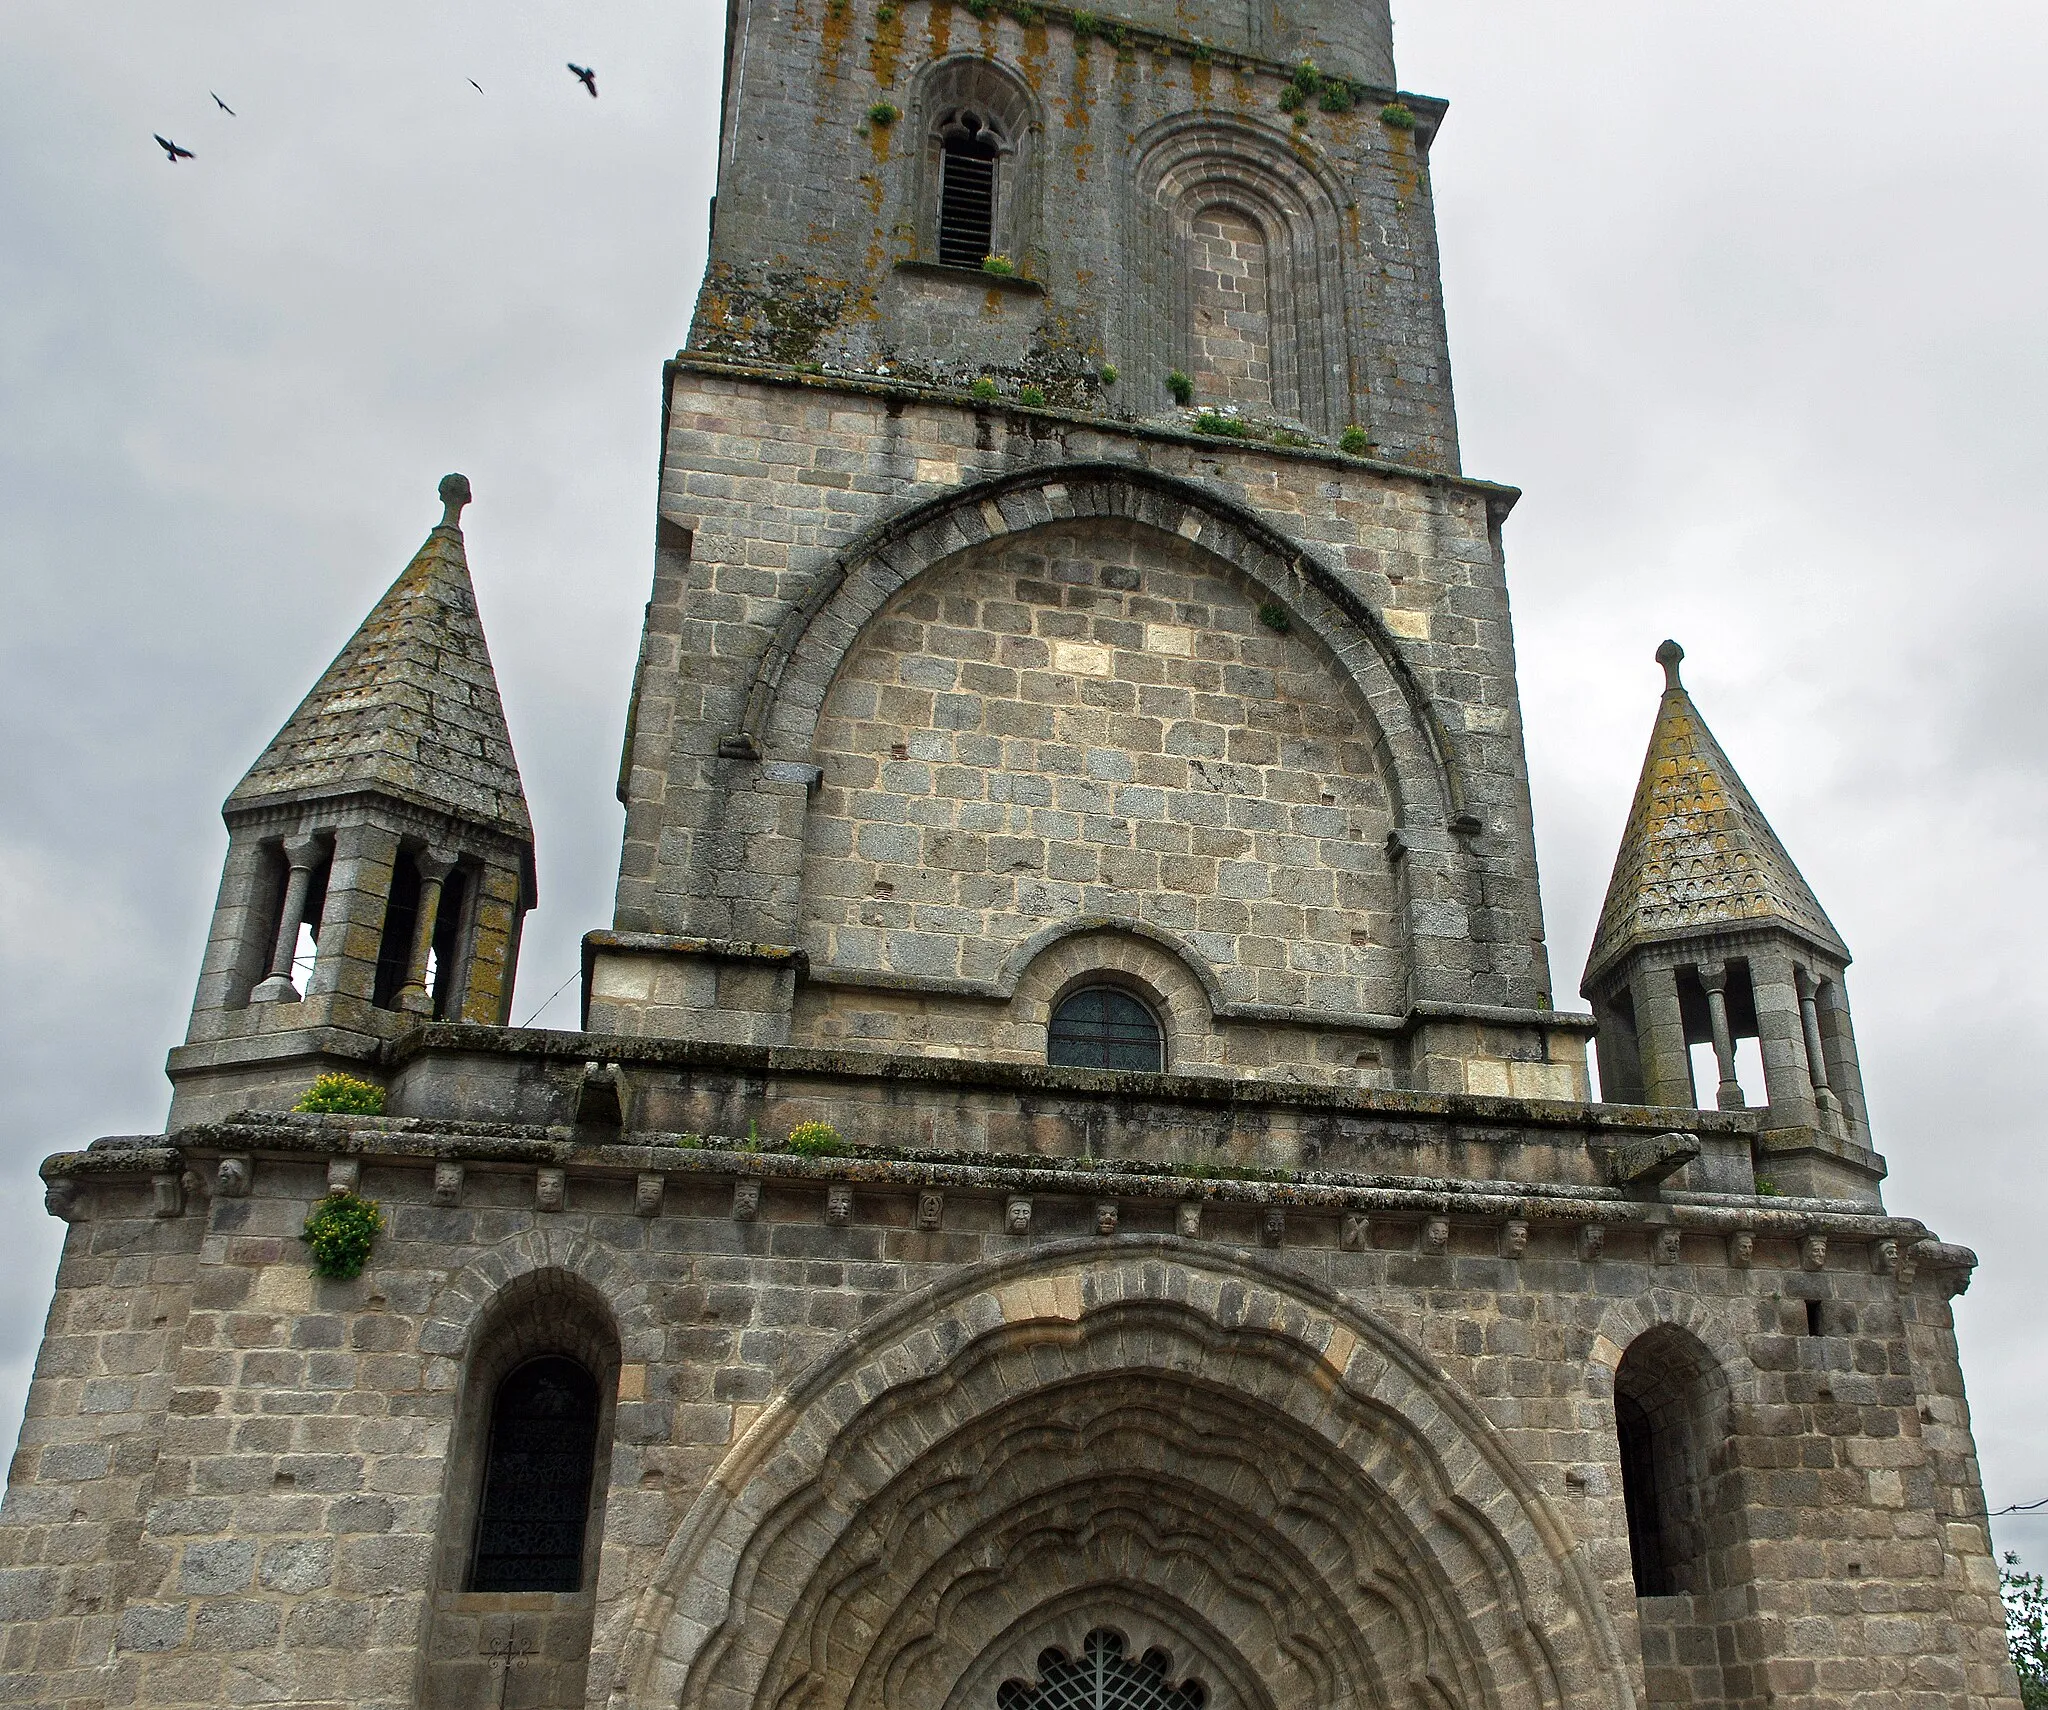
<point>1101,1678</point>
<point>1104,1027</point>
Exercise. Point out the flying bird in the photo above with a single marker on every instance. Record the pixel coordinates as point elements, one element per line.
<point>172,152</point>
<point>586,77</point>
<point>478,87</point>
<point>222,105</point>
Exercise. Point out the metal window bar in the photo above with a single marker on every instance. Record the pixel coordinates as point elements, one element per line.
<point>1103,1028</point>
<point>967,201</point>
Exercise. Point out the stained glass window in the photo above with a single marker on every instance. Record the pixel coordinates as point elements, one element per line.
<point>1104,1028</point>
<point>1101,1678</point>
<point>529,1534</point>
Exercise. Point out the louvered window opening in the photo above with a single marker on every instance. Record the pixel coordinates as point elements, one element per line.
<point>1104,1028</point>
<point>536,1498</point>
<point>1101,1678</point>
<point>967,193</point>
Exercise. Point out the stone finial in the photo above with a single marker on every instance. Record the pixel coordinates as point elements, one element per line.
<point>454,495</point>
<point>1669,654</point>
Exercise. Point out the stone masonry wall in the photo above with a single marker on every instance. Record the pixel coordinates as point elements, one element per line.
<point>823,248</point>
<point>793,511</point>
<point>231,1484</point>
<point>1082,723</point>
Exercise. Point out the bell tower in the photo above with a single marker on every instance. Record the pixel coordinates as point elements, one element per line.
<point>1710,935</point>
<point>380,855</point>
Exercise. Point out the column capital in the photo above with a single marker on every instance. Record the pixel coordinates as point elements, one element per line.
<point>1713,976</point>
<point>308,849</point>
<point>435,864</point>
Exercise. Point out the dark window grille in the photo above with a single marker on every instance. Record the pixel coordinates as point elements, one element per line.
<point>1104,1028</point>
<point>1100,1678</point>
<point>537,1474</point>
<point>1641,1500</point>
<point>967,193</point>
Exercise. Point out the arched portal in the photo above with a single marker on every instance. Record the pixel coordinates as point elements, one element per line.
<point>1252,1489</point>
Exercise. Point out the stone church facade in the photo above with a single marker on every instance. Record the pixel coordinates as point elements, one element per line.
<point>1075,756</point>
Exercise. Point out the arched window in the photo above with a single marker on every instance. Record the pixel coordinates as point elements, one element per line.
<point>537,1477</point>
<point>1104,1027</point>
<point>1667,1420</point>
<point>1101,1678</point>
<point>968,148</point>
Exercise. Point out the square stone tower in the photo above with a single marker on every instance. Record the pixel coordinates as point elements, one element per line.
<point>1071,1187</point>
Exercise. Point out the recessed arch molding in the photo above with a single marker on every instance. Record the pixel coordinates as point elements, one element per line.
<point>1193,1448</point>
<point>795,672</point>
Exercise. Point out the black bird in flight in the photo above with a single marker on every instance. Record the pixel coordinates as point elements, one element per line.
<point>478,87</point>
<point>586,77</point>
<point>172,152</point>
<point>222,105</point>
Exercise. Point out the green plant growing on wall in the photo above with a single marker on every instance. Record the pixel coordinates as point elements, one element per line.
<point>1767,1188</point>
<point>2026,1629</point>
<point>1107,374</point>
<point>342,1095</point>
<point>1224,427</point>
<point>1086,24</point>
<point>983,388</point>
<point>1032,397</point>
<point>1182,388</point>
<point>885,13</point>
<point>341,1230</point>
<point>816,1140</point>
<point>1398,116</point>
<point>1274,616</point>
<point>1026,13</point>
<point>1113,33</point>
<point>983,9</point>
<point>1000,265</point>
<point>1337,95</point>
<point>884,113</point>
<point>1202,53</point>
<point>1354,441</point>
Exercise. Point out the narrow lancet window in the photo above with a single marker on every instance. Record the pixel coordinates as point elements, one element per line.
<point>967,192</point>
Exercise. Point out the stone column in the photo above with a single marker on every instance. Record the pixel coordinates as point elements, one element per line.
<point>1816,1054</point>
<point>1714,980</point>
<point>1660,1038</point>
<point>302,854</point>
<point>1838,1039</point>
<point>434,867</point>
<point>1786,1082</point>
<point>352,929</point>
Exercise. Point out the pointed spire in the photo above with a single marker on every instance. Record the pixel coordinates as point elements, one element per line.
<point>1698,853</point>
<point>410,706</point>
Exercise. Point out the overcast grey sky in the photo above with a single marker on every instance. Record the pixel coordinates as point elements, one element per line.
<point>1746,294</point>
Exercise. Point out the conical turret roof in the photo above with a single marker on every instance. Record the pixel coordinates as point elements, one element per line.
<point>1698,854</point>
<point>409,707</point>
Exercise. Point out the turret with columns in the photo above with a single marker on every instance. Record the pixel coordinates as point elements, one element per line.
<point>1709,935</point>
<point>387,824</point>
